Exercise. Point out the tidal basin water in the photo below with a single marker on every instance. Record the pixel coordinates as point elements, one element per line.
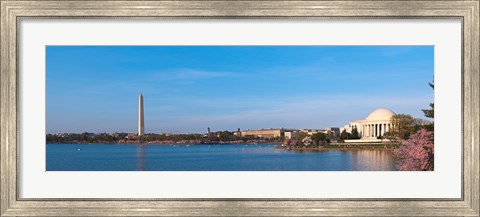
<point>247,157</point>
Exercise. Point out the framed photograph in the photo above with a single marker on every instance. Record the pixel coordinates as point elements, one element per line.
<point>239,108</point>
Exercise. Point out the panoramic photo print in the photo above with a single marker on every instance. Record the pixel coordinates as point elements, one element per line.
<point>240,108</point>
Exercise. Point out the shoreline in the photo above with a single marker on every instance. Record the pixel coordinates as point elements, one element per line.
<point>277,145</point>
<point>344,147</point>
<point>339,149</point>
<point>170,144</point>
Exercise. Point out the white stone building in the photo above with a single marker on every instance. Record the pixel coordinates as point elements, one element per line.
<point>375,125</point>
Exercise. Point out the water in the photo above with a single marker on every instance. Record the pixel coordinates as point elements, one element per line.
<point>112,157</point>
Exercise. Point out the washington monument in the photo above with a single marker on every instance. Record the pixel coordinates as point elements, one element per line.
<point>141,124</point>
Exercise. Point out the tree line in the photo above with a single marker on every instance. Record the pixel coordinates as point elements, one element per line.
<point>215,137</point>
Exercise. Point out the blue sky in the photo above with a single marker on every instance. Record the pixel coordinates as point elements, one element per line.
<point>189,88</point>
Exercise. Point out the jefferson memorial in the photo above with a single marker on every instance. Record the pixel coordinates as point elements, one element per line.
<point>375,125</point>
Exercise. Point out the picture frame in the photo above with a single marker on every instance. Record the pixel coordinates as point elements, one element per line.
<point>12,11</point>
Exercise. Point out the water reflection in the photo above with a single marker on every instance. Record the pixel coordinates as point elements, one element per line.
<point>141,158</point>
<point>372,160</point>
<point>364,160</point>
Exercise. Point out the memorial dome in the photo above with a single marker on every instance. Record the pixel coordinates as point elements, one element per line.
<point>380,114</point>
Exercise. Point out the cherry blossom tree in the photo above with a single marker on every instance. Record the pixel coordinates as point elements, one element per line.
<point>307,141</point>
<point>416,153</point>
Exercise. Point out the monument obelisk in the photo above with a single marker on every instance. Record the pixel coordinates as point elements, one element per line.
<point>141,124</point>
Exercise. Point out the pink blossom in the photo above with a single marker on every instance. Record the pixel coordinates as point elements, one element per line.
<point>416,153</point>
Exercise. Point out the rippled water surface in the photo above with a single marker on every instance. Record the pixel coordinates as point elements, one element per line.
<point>83,157</point>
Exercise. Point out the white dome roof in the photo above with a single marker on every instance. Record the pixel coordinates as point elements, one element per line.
<point>380,114</point>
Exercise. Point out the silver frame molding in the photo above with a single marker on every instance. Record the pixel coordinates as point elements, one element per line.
<point>11,11</point>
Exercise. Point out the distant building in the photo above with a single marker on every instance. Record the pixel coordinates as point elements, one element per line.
<point>332,131</point>
<point>265,133</point>
<point>376,124</point>
<point>311,131</point>
<point>291,134</point>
